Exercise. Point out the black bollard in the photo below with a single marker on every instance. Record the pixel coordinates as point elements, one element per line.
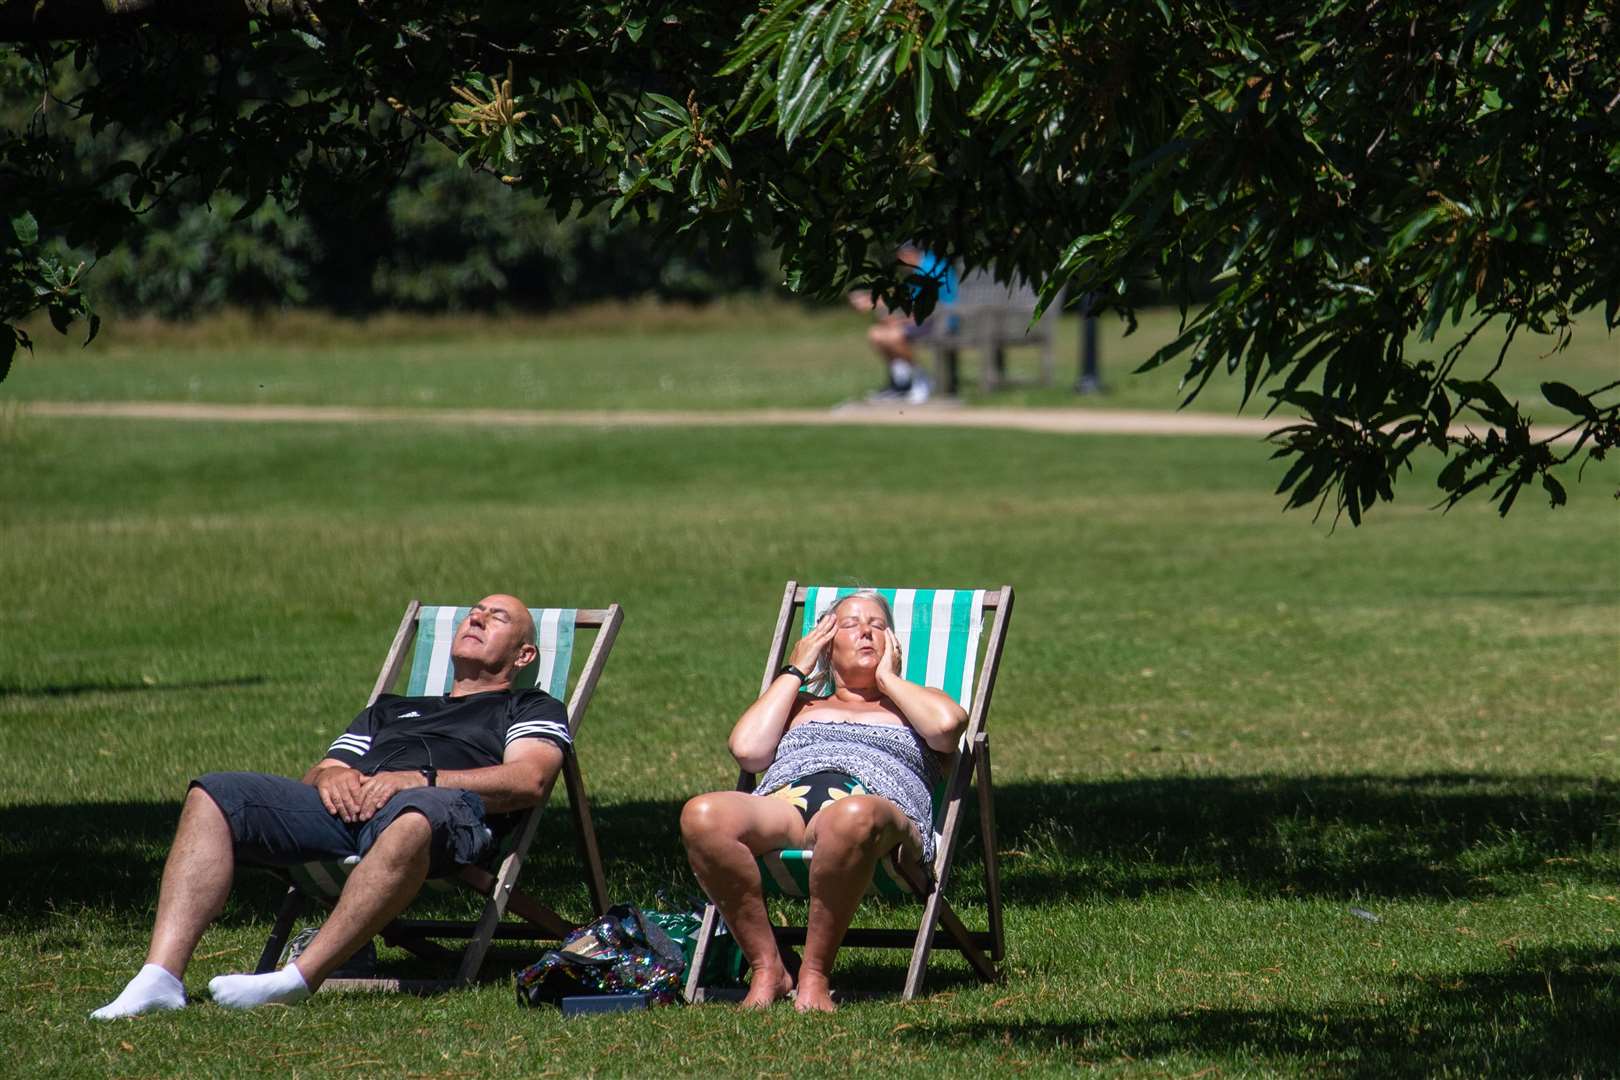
<point>1090,378</point>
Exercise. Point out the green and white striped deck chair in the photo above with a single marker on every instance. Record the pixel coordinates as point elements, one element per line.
<point>945,646</point>
<point>433,628</point>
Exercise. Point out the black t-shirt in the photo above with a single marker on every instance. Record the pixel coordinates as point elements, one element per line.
<point>399,734</point>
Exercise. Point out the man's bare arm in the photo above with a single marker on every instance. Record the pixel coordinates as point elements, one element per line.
<point>522,780</point>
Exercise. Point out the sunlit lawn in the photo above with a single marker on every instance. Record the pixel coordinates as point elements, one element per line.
<point>1220,732</point>
<point>732,355</point>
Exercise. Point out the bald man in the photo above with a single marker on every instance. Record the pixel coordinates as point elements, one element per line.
<point>413,788</point>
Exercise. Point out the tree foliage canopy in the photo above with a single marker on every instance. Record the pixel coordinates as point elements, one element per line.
<point>1343,185</point>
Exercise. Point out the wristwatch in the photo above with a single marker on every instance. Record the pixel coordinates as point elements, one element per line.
<point>789,669</point>
<point>431,773</point>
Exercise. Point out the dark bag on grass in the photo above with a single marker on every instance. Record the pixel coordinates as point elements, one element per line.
<point>620,953</point>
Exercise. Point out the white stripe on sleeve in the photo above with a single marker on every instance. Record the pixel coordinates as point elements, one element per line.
<point>543,728</point>
<point>354,744</point>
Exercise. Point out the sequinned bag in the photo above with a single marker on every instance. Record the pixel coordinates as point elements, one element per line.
<point>620,953</point>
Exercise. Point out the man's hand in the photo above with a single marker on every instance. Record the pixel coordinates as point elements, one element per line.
<point>340,790</point>
<point>375,791</point>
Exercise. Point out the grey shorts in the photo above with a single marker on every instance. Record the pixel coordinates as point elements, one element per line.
<point>937,324</point>
<point>276,821</point>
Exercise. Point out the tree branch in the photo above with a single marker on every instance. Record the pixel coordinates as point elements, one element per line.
<point>80,20</point>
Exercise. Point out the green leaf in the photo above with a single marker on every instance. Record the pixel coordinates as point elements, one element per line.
<point>804,104</point>
<point>871,70</point>
<point>763,37</point>
<point>670,109</point>
<point>26,229</point>
<point>1415,227</point>
<point>1566,397</point>
<point>1482,390</point>
<point>990,94</point>
<point>925,96</point>
<point>721,154</point>
<point>1291,477</point>
<point>833,28</point>
<point>1451,477</point>
<point>1555,491</point>
<point>797,47</point>
<point>250,207</point>
<point>1440,409</point>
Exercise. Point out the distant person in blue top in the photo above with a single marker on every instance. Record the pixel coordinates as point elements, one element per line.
<point>895,333</point>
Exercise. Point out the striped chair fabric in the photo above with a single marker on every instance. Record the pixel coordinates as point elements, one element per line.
<point>939,632</point>
<point>431,671</point>
<point>433,675</point>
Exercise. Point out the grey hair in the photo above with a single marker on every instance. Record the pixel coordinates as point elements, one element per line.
<point>821,676</point>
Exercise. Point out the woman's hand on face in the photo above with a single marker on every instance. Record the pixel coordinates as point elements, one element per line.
<point>890,666</point>
<point>809,648</point>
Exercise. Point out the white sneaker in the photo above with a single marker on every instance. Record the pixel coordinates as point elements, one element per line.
<point>920,390</point>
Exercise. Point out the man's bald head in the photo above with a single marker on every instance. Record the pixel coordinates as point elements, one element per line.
<point>495,640</point>
<point>520,610</point>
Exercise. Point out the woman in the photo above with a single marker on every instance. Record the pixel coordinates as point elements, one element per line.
<point>849,775</point>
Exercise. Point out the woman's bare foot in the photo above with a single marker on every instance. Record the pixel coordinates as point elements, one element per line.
<point>815,993</point>
<point>766,987</point>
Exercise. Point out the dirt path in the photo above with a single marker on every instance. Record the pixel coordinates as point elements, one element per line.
<point>1076,421</point>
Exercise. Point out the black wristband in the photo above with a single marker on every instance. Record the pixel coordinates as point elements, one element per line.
<point>431,774</point>
<point>789,669</point>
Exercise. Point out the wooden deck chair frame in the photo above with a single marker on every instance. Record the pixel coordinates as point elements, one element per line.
<point>502,896</point>
<point>983,949</point>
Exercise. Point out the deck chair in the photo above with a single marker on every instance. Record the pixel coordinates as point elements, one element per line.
<point>431,673</point>
<point>940,632</point>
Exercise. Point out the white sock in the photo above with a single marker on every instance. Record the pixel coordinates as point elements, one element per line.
<point>152,989</point>
<point>900,374</point>
<point>284,987</point>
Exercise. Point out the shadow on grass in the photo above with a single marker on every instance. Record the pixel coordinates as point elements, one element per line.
<point>1438,836</point>
<point>75,689</point>
<point>1552,1014</point>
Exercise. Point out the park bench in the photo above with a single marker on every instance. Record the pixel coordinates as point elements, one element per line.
<point>990,316</point>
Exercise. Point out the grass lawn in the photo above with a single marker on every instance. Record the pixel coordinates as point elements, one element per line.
<point>1218,729</point>
<point>732,355</point>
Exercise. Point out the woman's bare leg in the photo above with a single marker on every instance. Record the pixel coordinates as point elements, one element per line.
<point>723,831</point>
<point>848,838</point>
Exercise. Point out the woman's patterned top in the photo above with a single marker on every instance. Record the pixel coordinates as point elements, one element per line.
<point>890,760</point>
